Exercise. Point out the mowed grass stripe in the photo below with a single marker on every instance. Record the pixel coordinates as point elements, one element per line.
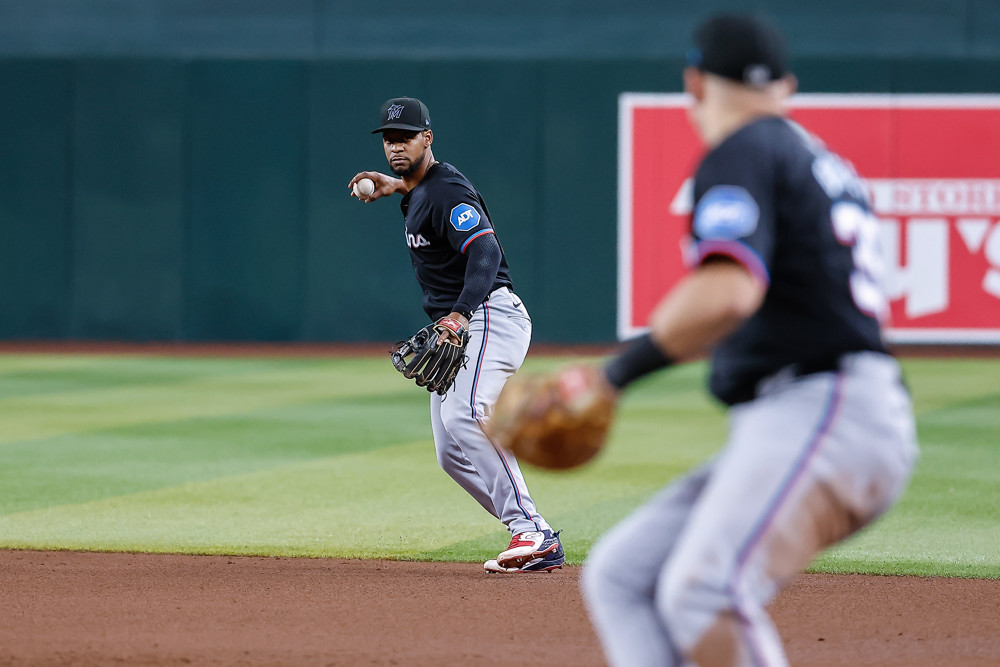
<point>30,375</point>
<point>80,467</point>
<point>228,388</point>
<point>947,384</point>
<point>390,503</point>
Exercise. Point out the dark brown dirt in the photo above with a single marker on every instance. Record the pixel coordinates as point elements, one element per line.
<point>69,608</point>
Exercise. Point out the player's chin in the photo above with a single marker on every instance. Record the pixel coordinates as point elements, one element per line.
<point>401,168</point>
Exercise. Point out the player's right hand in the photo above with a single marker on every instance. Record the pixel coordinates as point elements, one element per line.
<point>385,185</point>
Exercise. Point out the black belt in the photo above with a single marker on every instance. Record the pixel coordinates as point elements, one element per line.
<point>750,391</point>
<point>828,364</point>
<point>819,365</point>
<point>496,290</point>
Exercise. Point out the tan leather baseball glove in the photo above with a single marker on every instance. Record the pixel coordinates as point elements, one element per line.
<point>557,421</point>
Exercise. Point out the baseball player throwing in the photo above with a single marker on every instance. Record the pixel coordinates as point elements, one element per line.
<point>463,272</point>
<point>785,295</point>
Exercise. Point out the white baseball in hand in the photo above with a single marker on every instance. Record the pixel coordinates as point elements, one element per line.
<point>365,187</point>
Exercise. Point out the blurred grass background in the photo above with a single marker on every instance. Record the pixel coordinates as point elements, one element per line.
<point>333,457</point>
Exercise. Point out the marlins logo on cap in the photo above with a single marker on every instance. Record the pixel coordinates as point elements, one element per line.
<point>404,113</point>
<point>393,112</point>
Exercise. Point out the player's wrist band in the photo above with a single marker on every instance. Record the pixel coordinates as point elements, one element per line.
<point>451,324</point>
<point>641,357</point>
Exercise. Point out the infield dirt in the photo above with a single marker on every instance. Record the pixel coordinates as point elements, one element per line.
<point>71,608</point>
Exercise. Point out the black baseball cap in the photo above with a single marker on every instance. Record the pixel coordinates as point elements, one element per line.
<point>739,47</point>
<point>404,113</point>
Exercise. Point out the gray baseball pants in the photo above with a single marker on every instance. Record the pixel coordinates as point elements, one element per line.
<point>500,332</point>
<point>686,578</point>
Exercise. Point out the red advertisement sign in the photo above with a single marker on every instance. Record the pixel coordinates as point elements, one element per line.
<point>932,164</point>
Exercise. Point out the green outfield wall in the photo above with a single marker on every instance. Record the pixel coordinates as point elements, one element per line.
<point>177,171</point>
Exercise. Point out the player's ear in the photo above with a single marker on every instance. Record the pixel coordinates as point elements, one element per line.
<point>428,138</point>
<point>791,84</point>
<point>694,83</point>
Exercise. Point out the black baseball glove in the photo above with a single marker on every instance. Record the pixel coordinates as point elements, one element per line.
<point>434,366</point>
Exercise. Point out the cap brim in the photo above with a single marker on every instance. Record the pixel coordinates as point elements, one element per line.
<point>399,126</point>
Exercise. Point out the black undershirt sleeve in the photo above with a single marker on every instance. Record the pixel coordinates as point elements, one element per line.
<point>480,273</point>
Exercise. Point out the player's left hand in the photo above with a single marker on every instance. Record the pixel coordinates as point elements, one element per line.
<point>559,420</point>
<point>448,330</point>
<point>424,358</point>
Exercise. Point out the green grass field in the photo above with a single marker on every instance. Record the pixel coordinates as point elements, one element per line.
<point>333,457</point>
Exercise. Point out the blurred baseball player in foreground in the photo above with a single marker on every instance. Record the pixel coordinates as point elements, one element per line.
<point>467,289</point>
<point>784,293</point>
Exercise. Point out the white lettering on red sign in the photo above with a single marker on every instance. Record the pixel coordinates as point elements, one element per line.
<point>991,282</point>
<point>924,280</point>
<point>946,196</point>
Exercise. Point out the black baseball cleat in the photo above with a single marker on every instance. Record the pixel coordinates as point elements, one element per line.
<point>548,556</point>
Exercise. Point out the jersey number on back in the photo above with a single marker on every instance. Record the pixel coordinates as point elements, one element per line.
<point>857,227</point>
<point>854,226</point>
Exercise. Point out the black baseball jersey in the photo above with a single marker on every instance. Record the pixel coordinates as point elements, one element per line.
<point>443,214</point>
<point>773,198</point>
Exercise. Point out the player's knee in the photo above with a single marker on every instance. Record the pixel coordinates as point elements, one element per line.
<point>457,418</point>
<point>689,605</point>
<point>445,459</point>
<point>452,460</point>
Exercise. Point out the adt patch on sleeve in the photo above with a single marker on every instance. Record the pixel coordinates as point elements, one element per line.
<point>726,212</point>
<point>464,217</point>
